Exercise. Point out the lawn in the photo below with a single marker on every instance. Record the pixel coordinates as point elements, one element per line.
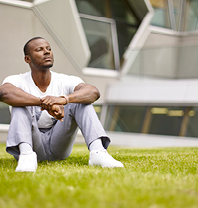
<point>154,178</point>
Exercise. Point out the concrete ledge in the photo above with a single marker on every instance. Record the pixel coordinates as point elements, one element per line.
<point>150,141</point>
<point>131,139</point>
<point>3,132</point>
<point>145,140</point>
<point>4,127</point>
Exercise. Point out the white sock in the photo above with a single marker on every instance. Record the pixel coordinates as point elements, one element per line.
<point>96,145</point>
<point>25,148</point>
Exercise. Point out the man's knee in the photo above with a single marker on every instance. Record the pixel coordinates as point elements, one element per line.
<point>26,111</point>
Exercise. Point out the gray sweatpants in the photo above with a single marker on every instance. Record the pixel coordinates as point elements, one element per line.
<point>57,142</point>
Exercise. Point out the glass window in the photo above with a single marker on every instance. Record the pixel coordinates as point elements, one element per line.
<point>90,7</point>
<point>191,19</point>
<point>122,12</point>
<point>98,109</point>
<point>119,10</point>
<point>4,114</point>
<point>177,12</point>
<point>99,38</point>
<point>161,120</point>
<point>166,120</point>
<point>124,118</point>
<point>102,54</point>
<point>192,130</point>
<point>155,62</point>
<point>126,22</point>
<point>161,13</point>
<point>125,35</point>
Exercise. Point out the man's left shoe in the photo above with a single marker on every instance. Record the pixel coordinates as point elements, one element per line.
<point>103,159</point>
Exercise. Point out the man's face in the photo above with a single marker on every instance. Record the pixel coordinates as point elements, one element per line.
<point>40,54</point>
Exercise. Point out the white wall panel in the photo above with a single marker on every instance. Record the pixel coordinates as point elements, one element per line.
<point>61,17</point>
<point>157,92</point>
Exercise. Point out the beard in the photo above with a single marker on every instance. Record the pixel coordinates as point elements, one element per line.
<point>48,66</point>
<point>43,66</point>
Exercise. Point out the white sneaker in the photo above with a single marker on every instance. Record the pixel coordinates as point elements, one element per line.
<point>27,163</point>
<point>103,159</point>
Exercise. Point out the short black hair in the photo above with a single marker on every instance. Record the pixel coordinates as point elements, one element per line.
<point>26,48</point>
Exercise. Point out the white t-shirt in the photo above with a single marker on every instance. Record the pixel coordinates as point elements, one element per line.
<point>60,84</point>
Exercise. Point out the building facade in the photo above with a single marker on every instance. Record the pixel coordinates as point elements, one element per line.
<point>141,54</point>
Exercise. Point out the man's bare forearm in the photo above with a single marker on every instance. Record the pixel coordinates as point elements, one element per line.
<point>84,93</point>
<point>15,96</point>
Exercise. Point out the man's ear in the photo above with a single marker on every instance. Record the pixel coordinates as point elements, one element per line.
<point>27,59</point>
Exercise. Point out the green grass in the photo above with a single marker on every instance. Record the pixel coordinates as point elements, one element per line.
<point>154,178</point>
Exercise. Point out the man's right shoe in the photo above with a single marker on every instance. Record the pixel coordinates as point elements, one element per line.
<point>27,163</point>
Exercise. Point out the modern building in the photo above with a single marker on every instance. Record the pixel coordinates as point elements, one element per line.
<point>141,54</point>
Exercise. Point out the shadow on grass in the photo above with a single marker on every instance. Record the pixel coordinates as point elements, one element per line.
<point>71,160</point>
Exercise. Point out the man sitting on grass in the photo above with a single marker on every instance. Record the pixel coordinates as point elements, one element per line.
<point>47,109</point>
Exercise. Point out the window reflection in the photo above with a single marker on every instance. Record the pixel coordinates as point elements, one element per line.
<point>125,34</point>
<point>124,118</point>
<point>175,14</point>
<point>161,16</point>
<point>192,130</point>
<point>160,120</point>
<point>99,38</point>
<point>91,7</point>
<point>98,109</point>
<point>121,11</point>
<point>177,8</point>
<point>126,24</point>
<point>191,16</point>
<point>166,120</point>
